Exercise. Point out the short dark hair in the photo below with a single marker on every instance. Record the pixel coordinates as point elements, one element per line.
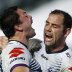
<point>67,18</point>
<point>8,19</point>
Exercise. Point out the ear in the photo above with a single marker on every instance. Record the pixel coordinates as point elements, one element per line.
<point>67,32</point>
<point>18,27</point>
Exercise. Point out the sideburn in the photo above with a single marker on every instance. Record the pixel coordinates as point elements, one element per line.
<point>64,30</point>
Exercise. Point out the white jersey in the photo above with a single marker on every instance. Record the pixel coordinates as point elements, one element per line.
<point>1,64</point>
<point>15,54</point>
<point>60,61</point>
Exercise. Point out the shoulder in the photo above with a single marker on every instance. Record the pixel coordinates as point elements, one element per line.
<point>66,59</point>
<point>15,48</point>
<point>67,53</point>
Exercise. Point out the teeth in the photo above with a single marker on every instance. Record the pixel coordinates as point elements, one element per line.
<point>49,36</point>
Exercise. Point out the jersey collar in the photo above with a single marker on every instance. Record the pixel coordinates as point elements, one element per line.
<point>19,42</point>
<point>64,49</point>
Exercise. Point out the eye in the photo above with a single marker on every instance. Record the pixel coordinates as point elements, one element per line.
<point>25,14</point>
<point>56,26</point>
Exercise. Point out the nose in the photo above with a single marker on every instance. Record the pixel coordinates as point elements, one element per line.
<point>48,28</point>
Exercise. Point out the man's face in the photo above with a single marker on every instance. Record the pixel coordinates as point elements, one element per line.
<point>53,31</point>
<point>26,23</point>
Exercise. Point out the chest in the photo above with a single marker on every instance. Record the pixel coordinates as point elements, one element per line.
<point>49,62</point>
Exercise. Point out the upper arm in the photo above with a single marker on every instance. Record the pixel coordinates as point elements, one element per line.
<point>20,69</point>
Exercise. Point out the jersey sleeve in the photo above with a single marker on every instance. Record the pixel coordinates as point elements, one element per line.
<point>18,57</point>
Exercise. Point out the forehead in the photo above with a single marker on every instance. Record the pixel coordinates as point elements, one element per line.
<point>56,18</point>
<point>19,11</point>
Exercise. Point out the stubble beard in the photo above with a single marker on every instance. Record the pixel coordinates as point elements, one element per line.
<point>54,44</point>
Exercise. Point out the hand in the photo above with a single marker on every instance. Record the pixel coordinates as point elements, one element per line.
<point>3,42</point>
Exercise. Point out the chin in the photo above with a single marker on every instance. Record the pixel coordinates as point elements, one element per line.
<point>48,44</point>
<point>31,36</point>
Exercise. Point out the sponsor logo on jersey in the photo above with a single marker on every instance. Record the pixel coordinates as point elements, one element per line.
<point>18,58</point>
<point>70,69</point>
<point>16,52</point>
<point>68,55</point>
<point>44,57</point>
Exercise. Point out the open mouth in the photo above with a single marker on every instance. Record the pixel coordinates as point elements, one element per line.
<point>48,37</point>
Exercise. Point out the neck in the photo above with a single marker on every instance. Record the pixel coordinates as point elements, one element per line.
<point>20,37</point>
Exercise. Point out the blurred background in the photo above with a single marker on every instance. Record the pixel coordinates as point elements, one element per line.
<point>39,9</point>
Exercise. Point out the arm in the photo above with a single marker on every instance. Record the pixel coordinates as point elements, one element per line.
<point>21,69</point>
